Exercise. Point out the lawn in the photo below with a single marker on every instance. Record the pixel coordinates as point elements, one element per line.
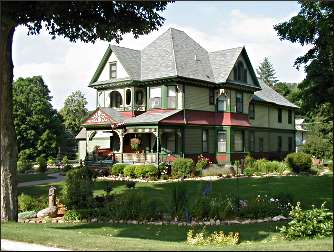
<point>32,177</point>
<point>150,237</point>
<point>309,190</point>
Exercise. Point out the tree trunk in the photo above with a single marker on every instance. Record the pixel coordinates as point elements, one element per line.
<point>8,136</point>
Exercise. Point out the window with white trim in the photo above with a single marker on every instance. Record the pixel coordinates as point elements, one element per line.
<point>155,97</point>
<point>113,70</point>
<point>221,141</point>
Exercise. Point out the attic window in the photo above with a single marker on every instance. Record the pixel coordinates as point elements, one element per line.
<point>240,72</point>
<point>112,70</point>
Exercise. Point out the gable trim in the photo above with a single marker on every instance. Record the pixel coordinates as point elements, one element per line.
<point>100,67</point>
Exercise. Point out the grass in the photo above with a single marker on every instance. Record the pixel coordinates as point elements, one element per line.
<point>309,190</point>
<point>150,237</point>
<point>32,177</point>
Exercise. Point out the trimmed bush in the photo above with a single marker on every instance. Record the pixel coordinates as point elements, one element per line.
<point>51,161</point>
<point>23,163</point>
<point>78,188</point>
<point>42,165</point>
<point>72,215</point>
<point>129,171</point>
<point>299,162</point>
<point>130,184</point>
<point>151,171</point>
<point>314,223</point>
<point>117,169</point>
<point>140,171</point>
<point>182,167</point>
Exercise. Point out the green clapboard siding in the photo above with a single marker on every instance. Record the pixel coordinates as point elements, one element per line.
<point>197,98</point>
<point>193,140</point>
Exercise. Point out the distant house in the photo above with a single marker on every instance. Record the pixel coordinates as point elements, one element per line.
<point>175,99</point>
<point>300,132</point>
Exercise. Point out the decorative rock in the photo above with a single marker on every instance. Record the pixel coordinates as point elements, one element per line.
<point>93,220</point>
<point>180,224</point>
<point>212,222</point>
<point>207,223</point>
<point>50,211</point>
<point>120,221</point>
<point>54,221</point>
<point>246,222</point>
<point>234,222</point>
<point>278,218</point>
<point>61,221</point>
<point>194,223</point>
<point>217,222</point>
<point>267,219</point>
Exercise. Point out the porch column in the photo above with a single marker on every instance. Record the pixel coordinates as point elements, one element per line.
<point>157,159</point>
<point>121,137</point>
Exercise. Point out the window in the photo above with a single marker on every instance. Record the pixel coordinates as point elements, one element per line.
<point>251,141</point>
<point>240,72</point>
<point>290,144</point>
<point>171,142</point>
<point>112,70</point>
<point>139,98</point>
<point>279,143</point>
<point>239,102</point>
<point>100,99</point>
<point>171,96</point>
<point>279,115</point>
<point>128,97</point>
<point>205,145</point>
<point>155,97</point>
<point>289,116</point>
<point>251,110</point>
<point>238,141</point>
<point>222,103</point>
<point>221,141</point>
<point>260,144</point>
<point>211,96</point>
<point>115,99</point>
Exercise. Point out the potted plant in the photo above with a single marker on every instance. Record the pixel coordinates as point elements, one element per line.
<point>135,142</point>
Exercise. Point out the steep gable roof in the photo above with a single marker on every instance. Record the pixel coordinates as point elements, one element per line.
<point>175,54</point>
<point>267,94</point>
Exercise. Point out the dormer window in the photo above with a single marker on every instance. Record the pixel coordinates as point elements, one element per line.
<point>112,70</point>
<point>222,103</point>
<point>240,72</point>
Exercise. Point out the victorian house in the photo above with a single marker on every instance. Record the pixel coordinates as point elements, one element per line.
<point>175,99</point>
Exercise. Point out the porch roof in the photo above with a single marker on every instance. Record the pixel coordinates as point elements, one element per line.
<point>196,117</point>
<point>106,116</point>
<point>153,116</point>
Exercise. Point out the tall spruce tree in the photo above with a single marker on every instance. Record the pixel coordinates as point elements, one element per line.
<point>267,73</point>
<point>86,21</point>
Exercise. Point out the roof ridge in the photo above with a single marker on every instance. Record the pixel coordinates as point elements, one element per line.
<point>124,47</point>
<point>227,49</point>
<point>173,51</point>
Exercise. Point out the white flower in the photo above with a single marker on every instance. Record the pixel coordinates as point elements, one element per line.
<point>258,196</point>
<point>271,199</point>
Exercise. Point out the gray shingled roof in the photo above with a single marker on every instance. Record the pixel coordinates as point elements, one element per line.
<point>130,60</point>
<point>267,94</point>
<point>115,115</point>
<point>222,62</point>
<point>174,53</point>
<point>150,117</point>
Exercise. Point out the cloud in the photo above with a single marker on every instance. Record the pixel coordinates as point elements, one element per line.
<point>66,67</point>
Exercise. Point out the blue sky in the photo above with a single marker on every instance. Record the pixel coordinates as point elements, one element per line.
<point>216,25</point>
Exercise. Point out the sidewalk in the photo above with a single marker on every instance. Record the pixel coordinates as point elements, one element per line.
<point>45,181</point>
<point>9,245</point>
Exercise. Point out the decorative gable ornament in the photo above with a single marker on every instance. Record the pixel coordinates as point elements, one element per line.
<point>99,117</point>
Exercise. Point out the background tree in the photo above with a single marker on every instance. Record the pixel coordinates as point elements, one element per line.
<point>36,123</point>
<point>85,21</point>
<point>313,25</point>
<point>267,73</point>
<point>74,111</point>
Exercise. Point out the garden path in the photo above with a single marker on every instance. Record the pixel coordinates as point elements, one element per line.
<point>58,178</point>
<point>9,245</point>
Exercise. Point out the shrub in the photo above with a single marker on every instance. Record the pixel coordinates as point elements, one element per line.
<point>314,223</point>
<point>130,184</point>
<point>23,165</point>
<point>27,215</point>
<point>65,161</point>
<point>129,171</point>
<point>117,169</point>
<point>201,164</point>
<point>217,238</point>
<point>215,170</point>
<point>28,203</point>
<point>299,162</point>
<point>140,171</point>
<point>42,165</point>
<point>163,169</point>
<point>67,167</point>
<point>51,161</point>
<point>72,215</point>
<point>78,188</point>
<point>182,167</point>
<point>151,171</point>
<point>248,171</point>
<point>249,161</point>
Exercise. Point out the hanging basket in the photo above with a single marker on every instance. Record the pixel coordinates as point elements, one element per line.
<point>135,142</point>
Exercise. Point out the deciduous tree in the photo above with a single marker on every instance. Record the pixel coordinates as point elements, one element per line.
<point>85,21</point>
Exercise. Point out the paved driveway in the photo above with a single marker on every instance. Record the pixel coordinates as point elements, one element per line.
<point>9,245</point>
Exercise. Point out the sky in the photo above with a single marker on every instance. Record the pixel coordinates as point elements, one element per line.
<point>217,25</point>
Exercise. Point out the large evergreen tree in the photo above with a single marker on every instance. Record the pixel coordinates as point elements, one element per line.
<point>86,21</point>
<point>36,123</point>
<point>267,73</point>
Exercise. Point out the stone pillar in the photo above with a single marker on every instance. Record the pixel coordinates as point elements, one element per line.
<point>52,196</point>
